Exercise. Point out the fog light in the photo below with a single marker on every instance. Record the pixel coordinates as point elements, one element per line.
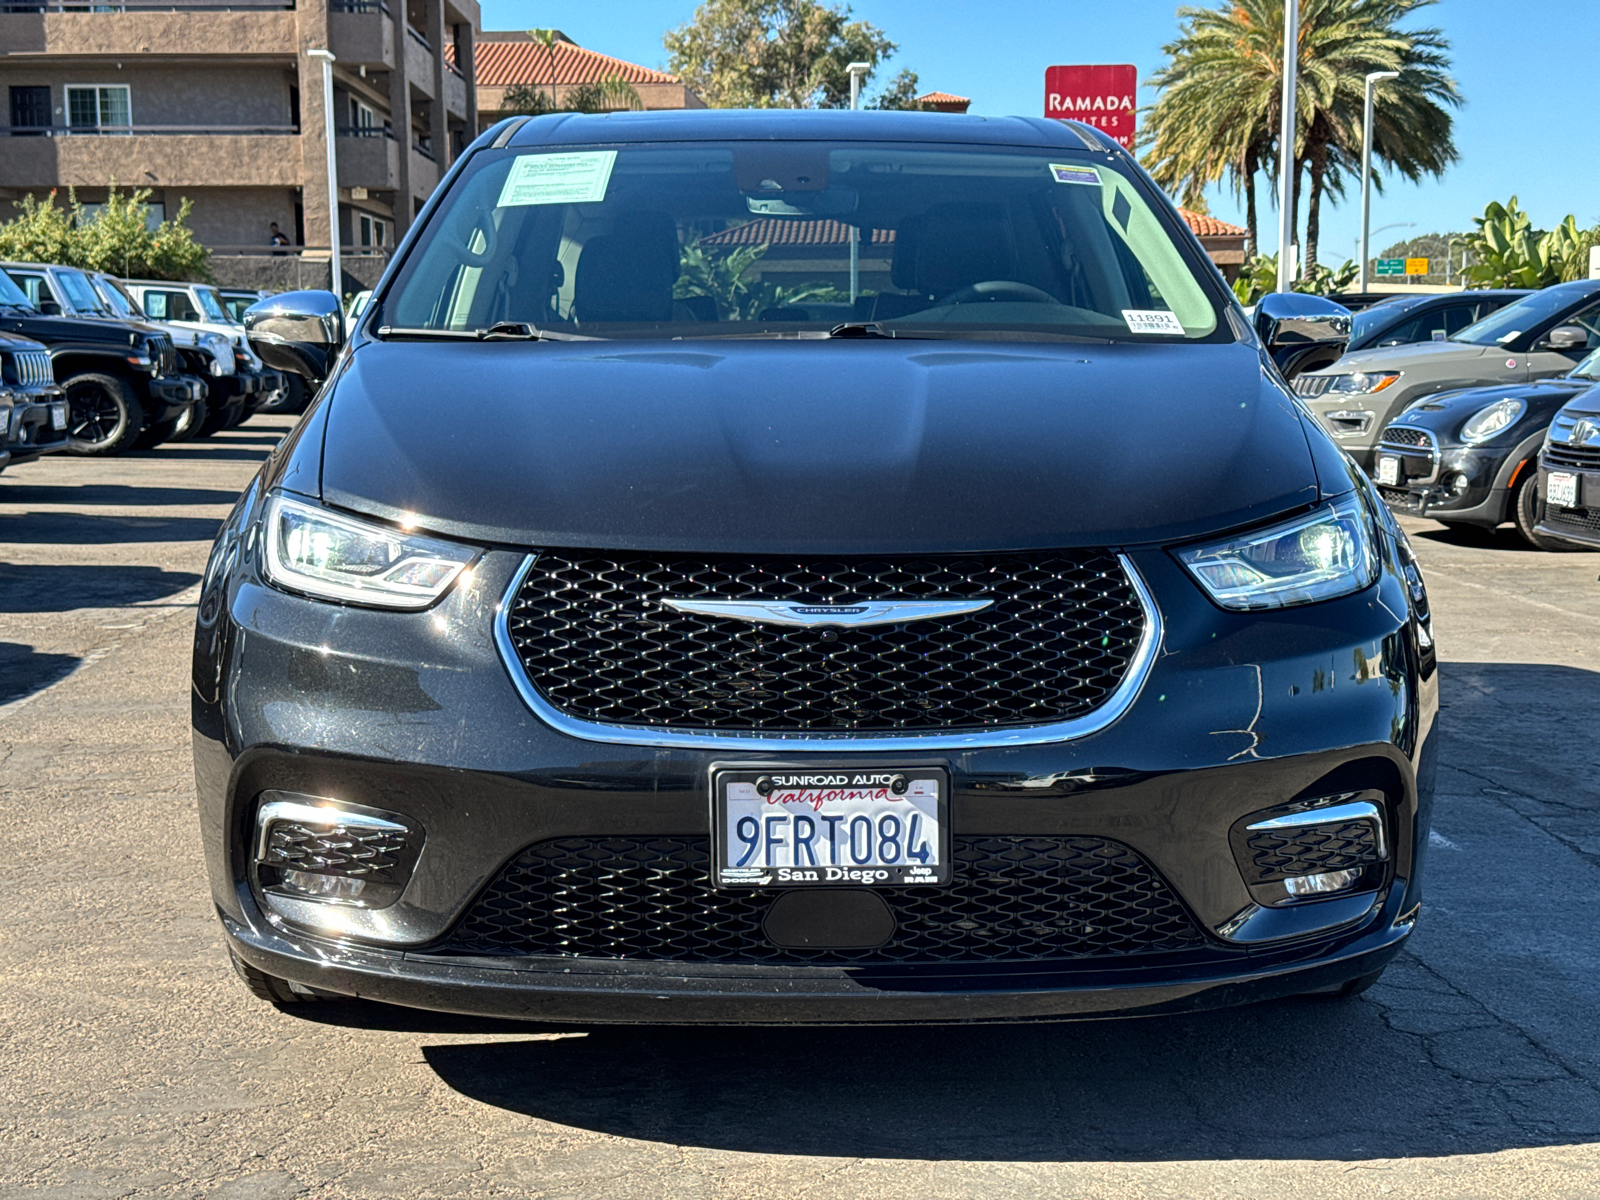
<point>1459,485</point>
<point>309,848</point>
<point>1320,885</point>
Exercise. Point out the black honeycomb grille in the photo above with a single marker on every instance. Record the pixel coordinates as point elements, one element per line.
<point>361,853</point>
<point>1312,850</point>
<point>650,898</point>
<point>1397,435</point>
<point>1578,520</point>
<point>596,640</point>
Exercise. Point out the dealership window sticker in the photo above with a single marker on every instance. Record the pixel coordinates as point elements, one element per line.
<point>1151,320</point>
<point>1063,173</point>
<point>579,178</point>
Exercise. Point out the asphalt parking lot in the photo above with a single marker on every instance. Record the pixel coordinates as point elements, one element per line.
<point>136,1064</point>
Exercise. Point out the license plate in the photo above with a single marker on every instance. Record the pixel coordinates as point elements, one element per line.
<point>1388,469</point>
<point>839,827</point>
<point>1561,490</point>
<point>58,416</point>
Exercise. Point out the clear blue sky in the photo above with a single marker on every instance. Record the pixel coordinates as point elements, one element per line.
<point>1527,69</point>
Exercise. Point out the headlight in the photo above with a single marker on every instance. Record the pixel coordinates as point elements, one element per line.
<point>334,557</point>
<point>1487,422</point>
<point>1326,553</point>
<point>1363,383</point>
<point>221,351</point>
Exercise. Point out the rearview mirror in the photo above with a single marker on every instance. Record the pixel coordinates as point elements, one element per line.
<point>1301,332</point>
<point>1564,338</point>
<point>300,332</point>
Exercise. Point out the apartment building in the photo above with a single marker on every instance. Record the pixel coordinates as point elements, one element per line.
<point>218,101</point>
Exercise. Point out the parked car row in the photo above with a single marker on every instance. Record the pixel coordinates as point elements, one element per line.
<point>113,364</point>
<point>1480,423</point>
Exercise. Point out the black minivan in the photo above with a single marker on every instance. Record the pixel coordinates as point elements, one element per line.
<point>808,567</point>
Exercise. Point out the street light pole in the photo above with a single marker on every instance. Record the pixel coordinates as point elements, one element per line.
<point>857,71</point>
<point>1366,170</point>
<point>335,271</point>
<point>1286,130</point>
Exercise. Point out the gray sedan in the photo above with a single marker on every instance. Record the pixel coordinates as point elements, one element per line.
<point>1542,335</point>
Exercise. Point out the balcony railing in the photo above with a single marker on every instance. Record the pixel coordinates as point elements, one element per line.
<point>145,130</point>
<point>147,6</point>
<point>418,38</point>
<point>424,147</point>
<point>366,131</point>
<point>359,6</point>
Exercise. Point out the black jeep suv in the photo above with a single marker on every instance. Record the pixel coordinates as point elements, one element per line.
<point>119,376</point>
<point>33,406</point>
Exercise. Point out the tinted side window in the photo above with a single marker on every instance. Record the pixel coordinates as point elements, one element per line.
<point>1589,321</point>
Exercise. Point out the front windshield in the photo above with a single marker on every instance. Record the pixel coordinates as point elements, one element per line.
<point>211,306</point>
<point>236,306</point>
<point>117,298</point>
<point>774,238</point>
<point>80,292</point>
<point>11,294</point>
<point>1504,324</point>
<point>1589,368</point>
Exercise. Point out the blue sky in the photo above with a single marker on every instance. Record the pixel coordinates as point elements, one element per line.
<point>1527,70</point>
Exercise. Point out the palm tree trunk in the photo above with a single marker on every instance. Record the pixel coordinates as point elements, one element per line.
<point>1251,242</point>
<point>1319,165</point>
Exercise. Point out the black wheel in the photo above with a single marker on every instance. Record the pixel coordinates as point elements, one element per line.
<point>104,416</point>
<point>217,419</point>
<point>174,429</point>
<point>274,990</point>
<point>292,399</point>
<point>1525,512</point>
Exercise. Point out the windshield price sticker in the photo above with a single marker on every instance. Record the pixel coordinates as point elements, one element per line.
<point>1151,320</point>
<point>844,828</point>
<point>1062,173</point>
<point>580,178</point>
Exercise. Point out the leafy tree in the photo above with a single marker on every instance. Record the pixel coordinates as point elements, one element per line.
<point>118,239</point>
<point>773,53</point>
<point>901,95</point>
<point>721,274</point>
<point>1508,252</point>
<point>1260,276</point>
<point>526,100</point>
<point>611,94</point>
<point>1221,95</point>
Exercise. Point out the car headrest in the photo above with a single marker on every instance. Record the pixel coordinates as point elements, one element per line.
<point>627,274</point>
<point>952,246</point>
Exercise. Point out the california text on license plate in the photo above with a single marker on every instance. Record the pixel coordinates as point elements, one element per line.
<point>1388,469</point>
<point>846,826</point>
<point>1563,490</point>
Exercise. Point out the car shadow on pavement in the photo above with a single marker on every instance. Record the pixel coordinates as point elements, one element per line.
<point>1480,1037</point>
<point>78,529</point>
<point>24,671</point>
<point>41,588</point>
<point>110,495</point>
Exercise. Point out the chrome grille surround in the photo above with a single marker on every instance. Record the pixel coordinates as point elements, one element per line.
<point>33,368</point>
<point>1412,443</point>
<point>1112,707</point>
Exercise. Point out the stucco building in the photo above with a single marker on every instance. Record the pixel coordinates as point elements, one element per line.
<point>217,101</point>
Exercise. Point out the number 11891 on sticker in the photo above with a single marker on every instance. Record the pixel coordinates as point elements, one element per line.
<point>782,828</point>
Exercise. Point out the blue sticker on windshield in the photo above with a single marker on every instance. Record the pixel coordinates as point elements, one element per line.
<point>1065,174</point>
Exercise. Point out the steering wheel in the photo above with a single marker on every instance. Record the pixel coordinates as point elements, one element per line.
<point>998,289</point>
<point>482,223</point>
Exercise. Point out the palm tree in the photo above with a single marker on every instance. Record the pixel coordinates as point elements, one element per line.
<point>1221,94</point>
<point>548,39</point>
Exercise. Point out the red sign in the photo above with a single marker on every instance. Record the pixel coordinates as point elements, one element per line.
<point>1103,96</point>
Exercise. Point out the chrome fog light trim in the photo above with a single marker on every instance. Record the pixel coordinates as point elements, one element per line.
<point>1322,885</point>
<point>311,848</point>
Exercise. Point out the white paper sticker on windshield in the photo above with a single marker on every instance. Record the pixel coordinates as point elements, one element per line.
<point>579,178</point>
<point>1151,320</point>
<point>1065,174</point>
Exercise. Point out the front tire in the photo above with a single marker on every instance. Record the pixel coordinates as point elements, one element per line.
<point>1525,512</point>
<point>104,416</point>
<point>274,990</point>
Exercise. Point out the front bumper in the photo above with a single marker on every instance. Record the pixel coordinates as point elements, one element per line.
<point>1462,484</point>
<point>1580,524</point>
<point>33,430</point>
<point>169,395</point>
<point>418,714</point>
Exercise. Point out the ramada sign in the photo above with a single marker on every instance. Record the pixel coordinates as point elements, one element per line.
<point>1103,96</point>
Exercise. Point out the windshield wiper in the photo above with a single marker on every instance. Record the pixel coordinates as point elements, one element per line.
<point>861,329</point>
<point>500,331</point>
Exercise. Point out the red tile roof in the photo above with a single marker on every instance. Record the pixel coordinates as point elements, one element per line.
<point>791,233</point>
<point>943,98</point>
<point>502,64</point>
<point>1207,226</point>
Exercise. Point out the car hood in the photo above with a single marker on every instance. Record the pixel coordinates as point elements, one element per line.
<point>1410,357</point>
<point>70,329</point>
<point>1586,403</point>
<point>807,447</point>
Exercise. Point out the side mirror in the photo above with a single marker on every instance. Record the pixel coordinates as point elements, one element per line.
<point>1565,338</point>
<point>1302,332</point>
<point>299,332</point>
<point>49,308</point>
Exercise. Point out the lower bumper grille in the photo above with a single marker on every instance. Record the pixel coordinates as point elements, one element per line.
<point>1012,898</point>
<point>1281,854</point>
<point>1579,520</point>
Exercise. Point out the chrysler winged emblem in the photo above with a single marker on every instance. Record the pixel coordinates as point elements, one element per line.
<point>854,615</point>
